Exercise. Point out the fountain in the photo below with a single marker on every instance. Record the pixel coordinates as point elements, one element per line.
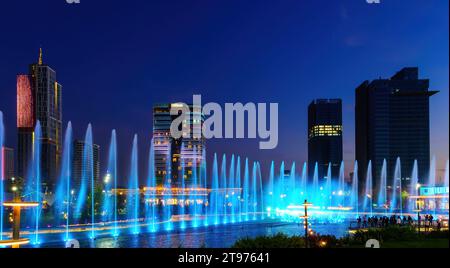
<point>193,198</point>
<point>414,187</point>
<point>271,194</point>
<point>261,191</point>
<point>238,186</point>
<point>368,194</point>
<point>193,193</point>
<point>304,183</point>
<point>254,191</point>
<point>167,209</point>
<point>151,206</point>
<point>341,185</point>
<point>109,211</point>
<point>246,194</point>
<point>292,185</point>
<point>223,196</point>
<point>432,183</point>
<point>382,190</point>
<point>33,189</point>
<point>232,187</point>
<point>354,199</point>
<point>214,194</point>
<point>328,190</point>
<point>315,188</point>
<point>204,182</point>
<point>63,195</point>
<point>396,203</point>
<point>133,189</point>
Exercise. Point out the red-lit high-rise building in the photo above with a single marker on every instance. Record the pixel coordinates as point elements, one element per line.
<point>39,99</point>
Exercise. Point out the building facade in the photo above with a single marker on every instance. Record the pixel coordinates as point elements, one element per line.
<point>39,99</point>
<point>173,155</point>
<point>8,163</point>
<point>81,164</point>
<point>392,120</point>
<point>325,137</point>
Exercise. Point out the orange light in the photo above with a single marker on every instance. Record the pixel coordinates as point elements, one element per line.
<point>20,204</point>
<point>11,243</point>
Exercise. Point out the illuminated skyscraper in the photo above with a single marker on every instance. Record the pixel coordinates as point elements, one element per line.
<point>171,153</point>
<point>393,120</point>
<point>325,136</point>
<point>39,99</point>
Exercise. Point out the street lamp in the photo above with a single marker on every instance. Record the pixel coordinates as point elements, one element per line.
<point>305,217</point>
<point>418,214</point>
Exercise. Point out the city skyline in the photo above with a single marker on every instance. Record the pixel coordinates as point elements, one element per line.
<point>137,115</point>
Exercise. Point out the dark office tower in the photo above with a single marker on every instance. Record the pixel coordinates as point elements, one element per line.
<point>80,168</point>
<point>392,120</point>
<point>325,136</point>
<point>39,99</point>
<point>8,163</point>
<point>170,153</point>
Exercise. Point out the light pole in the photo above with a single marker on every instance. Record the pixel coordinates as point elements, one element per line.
<point>305,217</point>
<point>418,214</point>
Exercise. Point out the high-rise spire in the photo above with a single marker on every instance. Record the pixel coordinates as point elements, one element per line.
<point>40,56</point>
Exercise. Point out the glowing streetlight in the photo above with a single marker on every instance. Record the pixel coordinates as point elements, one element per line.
<point>17,207</point>
<point>305,217</point>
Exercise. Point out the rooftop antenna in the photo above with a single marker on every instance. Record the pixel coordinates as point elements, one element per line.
<point>40,56</point>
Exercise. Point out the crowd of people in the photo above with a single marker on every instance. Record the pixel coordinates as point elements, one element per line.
<point>383,221</point>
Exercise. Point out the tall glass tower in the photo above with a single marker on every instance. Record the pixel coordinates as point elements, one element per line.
<point>39,99</point>
<point>325,136</point>
<point>392,119</point>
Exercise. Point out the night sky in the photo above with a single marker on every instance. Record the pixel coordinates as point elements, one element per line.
<point>115,59</point>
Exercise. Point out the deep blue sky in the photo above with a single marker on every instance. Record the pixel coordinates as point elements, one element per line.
<point>115,59</point>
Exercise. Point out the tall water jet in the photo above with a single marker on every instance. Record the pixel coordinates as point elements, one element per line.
<point>292,196</point>
<point>133,189</point>
<point>304,183</point>
<point>254,192</point>
<point>261,191</point>
<point>2,189</point>
<point>63,195</point>
<point>182,175</point>
<point>414,187</point>
<point>281,193</point>
<point>109,210</point>
<point>396,202</point>
<point>271,194</point>
<point>151,206</point>
<point>246,190</point>
<point>382,190</point>
<point>238,186</point>
<point>205,185</point>
<point>368,194</point>
<point>432,182</point>
<point>87,175</point>
<point>215,191</point>
<point>167,208</point>
<point>224,195</point>
<point>36,178</point>
<point>232,195</point>
<point>328,190</point>
<point>315,185</point>
<point>341,185</point>
<point>354,200</point>
<point>194,189</point>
